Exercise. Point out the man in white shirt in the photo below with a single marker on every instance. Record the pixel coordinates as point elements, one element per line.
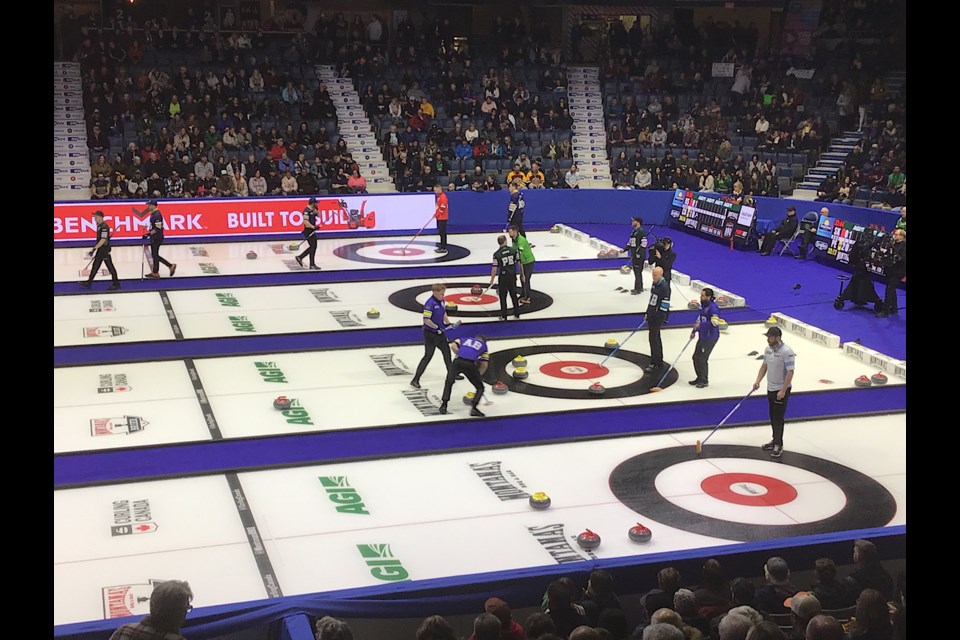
<point>659,137</point>
<point>573,177</point>
<point>642,179</point>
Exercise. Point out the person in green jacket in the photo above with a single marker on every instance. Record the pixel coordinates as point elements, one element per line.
<point>527,261</point>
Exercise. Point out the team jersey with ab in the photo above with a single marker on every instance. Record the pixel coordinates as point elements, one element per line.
<point>472,349</point>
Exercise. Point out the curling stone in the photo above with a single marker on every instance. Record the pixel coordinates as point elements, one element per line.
<point>602,254</point>
<point>452,306</point>
<point>722,300</point>
<point>476,290</point>
<point>723,325</point>
<point>521,373</point>
<point>468,397</point>
<point>625,269</point>
<point>588,540</point>
<point>282,403</point>
<point>693,304</point>
<point>597,389</point>
<point>770,322</point>
<point>611,344</point>
<point>293,246</point>
<point>555,229</point>
<point>639,533</point>
<point>863,382</point>
<point>612,253</point>
<point>251,255</point>
<point>500,388</point>
<point>878,378</point>
<point>519,361</point>
<point>539,501</point>
<point>373,314</point>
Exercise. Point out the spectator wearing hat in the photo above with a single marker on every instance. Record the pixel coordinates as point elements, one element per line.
<point>771,596</point>
<point>507,627</point>
<point>803,607</point>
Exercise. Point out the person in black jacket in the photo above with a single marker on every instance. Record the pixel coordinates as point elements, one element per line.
<point>769,598</point>
<point>662,255</point>
<point>636,248</point>
<point>657,310</point>
<point>894,256</point>
<point>784,231</point>
<point>599,596</point>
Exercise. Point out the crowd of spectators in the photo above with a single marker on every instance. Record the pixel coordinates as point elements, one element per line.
<point>742,133</point>
<point>444,114</point>
<point>867,604</point>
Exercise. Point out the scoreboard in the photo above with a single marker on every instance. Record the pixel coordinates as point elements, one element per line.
<point>714,215</point>
<point>837,239</point>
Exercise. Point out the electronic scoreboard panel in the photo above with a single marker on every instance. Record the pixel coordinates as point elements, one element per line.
<point>837,239</point>
<point>714,214</point>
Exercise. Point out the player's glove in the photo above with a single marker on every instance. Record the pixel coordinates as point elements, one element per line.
<point>90,253</point>
<point>145,236</point>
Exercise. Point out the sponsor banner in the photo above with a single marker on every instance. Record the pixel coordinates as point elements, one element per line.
<point>722,70</point>
<point>69,130</point>
<point>72,163</point>
<point>186,218</point>
<point>62,168</point>
<point>67,147</point>
<point>583,94</point>
<point>363,127</point>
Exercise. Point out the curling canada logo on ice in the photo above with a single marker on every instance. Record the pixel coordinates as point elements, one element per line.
<point>270,372</point>
<point>124,425</point>
<point>113,383</point>
<point>554,542</point>
<point>131,517</point>
<point>127,599</point>
<point>343,495</point>
<point>208,268</point>
<point>383,565</point>
<point>324,295</point>
<point>390,364</point>
<point>101,306</point>
<point>496,480</point>
<point>111,331</point>
<point>199,252</point>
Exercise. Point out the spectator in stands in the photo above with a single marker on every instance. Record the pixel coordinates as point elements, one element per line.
<point>538,624</point>
<point>662,631</point>
<point>643,179</point>
<point>329,628</point>
<point>136,185</point>
<point>832,593</point>
<point>572,177</point>
<point>288,183</point>
<point>561,610</point>
<point>872,619</point>
<point>339,182</point>
<point>713,593</point>
<point>803,607</point>
<point>599,595</point>
<point>685,604</point>
<point>554,179</point>
<point>658,139</point>
<point>100,187</point>
<point>770,597</point>
<point>823,627</point>
<point>734,626</point>
<point>257,184</point>
<point>869,573</point>
<point>668,583</point>
<point>436,628</point>
<point>169,606</point>
<point>306,182</point>
<point>707,181</point>
<point>486,626</point>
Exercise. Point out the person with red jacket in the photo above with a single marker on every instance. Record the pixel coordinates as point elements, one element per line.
<point>441,215</point>
<point>510,629</point>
